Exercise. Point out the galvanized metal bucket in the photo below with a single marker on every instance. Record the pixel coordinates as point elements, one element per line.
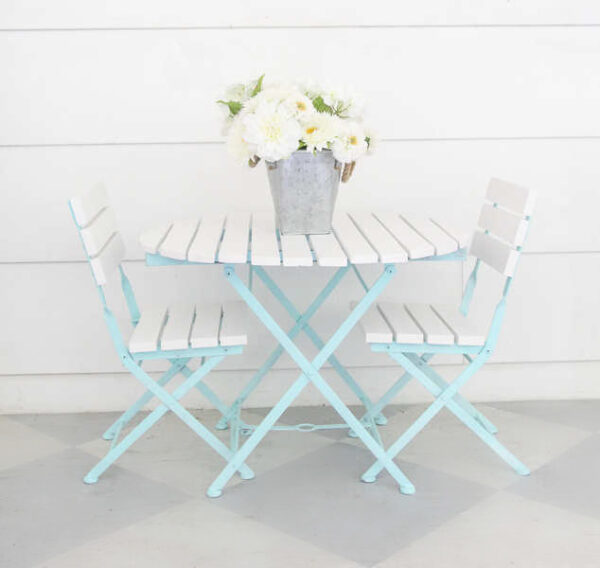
<point>304,189</point>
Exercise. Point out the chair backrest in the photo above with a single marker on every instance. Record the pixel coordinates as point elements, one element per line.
<point>100,236</point>
<point>503,224</point>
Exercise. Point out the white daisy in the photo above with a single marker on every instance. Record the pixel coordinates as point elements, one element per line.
<point>272,131</point>
<point>318,129</point>
<point>299,105</point>
<point>349,144</point>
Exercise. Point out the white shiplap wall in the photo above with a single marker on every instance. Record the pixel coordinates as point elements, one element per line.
<point>122,91</point>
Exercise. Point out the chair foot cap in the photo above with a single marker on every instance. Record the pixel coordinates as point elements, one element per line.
<point>90,479</point>
<point>108,436</point>
<point>368,478</point>
<point>214,493</point>
<point>246,475</point>
<point>407,489</point>
<point>352,434</point>
<point>222,425</point>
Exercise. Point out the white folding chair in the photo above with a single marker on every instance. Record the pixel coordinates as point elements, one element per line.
<point>413,334</point>
<point>176,334</point>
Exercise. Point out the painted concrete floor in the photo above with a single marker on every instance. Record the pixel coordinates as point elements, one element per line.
<point>306,507</point>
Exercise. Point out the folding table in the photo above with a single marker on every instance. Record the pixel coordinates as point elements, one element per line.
<point>384,238</point>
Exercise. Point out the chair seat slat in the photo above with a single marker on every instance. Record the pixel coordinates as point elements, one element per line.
<point>374,326</point>
<point>387,247</point>
<point>205,330</point>
<point>465,331</point>
<point>146,335</point>
<point>176,332</point>
<point>436,332</point>
<point>404,328</point>
<point>233,325</point>
<point>357,248</point>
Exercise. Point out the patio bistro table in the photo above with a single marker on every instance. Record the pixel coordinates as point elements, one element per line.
<point>384,238</point>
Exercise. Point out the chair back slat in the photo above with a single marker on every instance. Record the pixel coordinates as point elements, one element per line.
<point>107,261</point>
<point>99,231</point>
<point>494,253</point>
<point>518,199</point>
<point>86,207</point>
<point>503,224</point>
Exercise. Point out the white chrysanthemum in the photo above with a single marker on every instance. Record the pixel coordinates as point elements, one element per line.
<point>343,101</point>
<point>271,131</point>
<point>349,144</point>
<point>236,144</point>
<point>273,95</point>
<point>318,129</point>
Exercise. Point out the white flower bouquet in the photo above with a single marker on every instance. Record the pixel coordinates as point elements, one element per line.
<point>273,121</point>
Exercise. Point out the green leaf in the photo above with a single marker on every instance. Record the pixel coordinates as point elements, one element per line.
<point>234,106</point>
<point>321,106</point>
<point>258,88</point>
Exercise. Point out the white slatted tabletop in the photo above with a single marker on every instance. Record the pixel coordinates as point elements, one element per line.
<point>357,238</point>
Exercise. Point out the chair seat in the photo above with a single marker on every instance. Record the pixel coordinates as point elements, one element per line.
<point>432,324</point>
<point>181,327</point>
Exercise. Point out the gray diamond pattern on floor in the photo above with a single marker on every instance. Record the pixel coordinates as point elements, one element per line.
<point>570,481</point>
<point>72,429</point>
<point>583,414</point>
<point>306,506</point>
<point>46,508</point>
<point>318,498</point>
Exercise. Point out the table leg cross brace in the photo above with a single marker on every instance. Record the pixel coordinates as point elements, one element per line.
<point>310,373</point>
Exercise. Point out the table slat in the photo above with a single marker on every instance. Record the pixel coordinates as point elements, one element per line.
<point>295,251</point>
<point>234,246</point>
<point>413,242</point>
<point>265,248</point>
<point>461,237</point>
<point>208,236</point>
<point>328,251</point>
<point>177,242</point>
<point>359,251</point>
<point>381,240</point>
<point>153,238</point>
<point>443,243</point>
